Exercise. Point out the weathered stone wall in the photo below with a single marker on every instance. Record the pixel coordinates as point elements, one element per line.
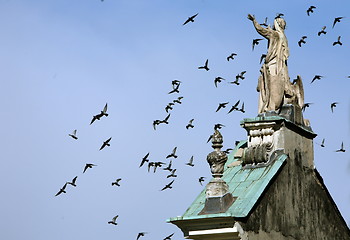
<point>296,206</point>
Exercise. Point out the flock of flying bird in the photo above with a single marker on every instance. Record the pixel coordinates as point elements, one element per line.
<point>178,100</point>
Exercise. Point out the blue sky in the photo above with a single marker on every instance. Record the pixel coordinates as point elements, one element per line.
<point>63,60</point>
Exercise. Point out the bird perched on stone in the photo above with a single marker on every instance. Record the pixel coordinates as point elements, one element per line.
<point>190,124</point>
<point>218,126</point>
<point>190,162</point>
<point>232,56</point>
<point>190,19</point>
<point>310,10</point>
<point>256,42</point>
<point>218,80</point>
<point>333,105</point>
<point>173,153</point>
<point>88,165</point>
<point>341,148</point>
<point>336,20</point>
<point>113,221</point>
<point>205,66</point>
<point>234,107</point>
<point>338,42</point>
<point>168,186</point>
<point>169,237</point>
<point>101,114</point>
<point>144,159</point>
<point>302,40</point>
<point>140,234</point>
<point>116,182</point>
<point>62,190</point>
<point>73,181</point>
<point>200,180</point>
<point>73,134</point>
<point>106,143</point>
<point>221,105</point>
<point>322,31</point>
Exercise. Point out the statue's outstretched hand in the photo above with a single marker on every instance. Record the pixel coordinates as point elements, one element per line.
<point>251,17</point>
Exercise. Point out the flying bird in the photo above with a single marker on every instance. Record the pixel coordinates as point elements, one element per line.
<point>166,119</point>
<point>228,150</point>
<point>169,237</point>
<point>256,42</point>
<point>169,107</point>
<point>232,56</point>
<point>73,134</point>
<point>200,180</point>
<point>173,153</point>
<point>168,168</point>
<point>175,83</point>
<point>190,19</point>
<point>157,164</point>
<point>150,164</point>
<point>178,100</point>
<point>338,42</point>
<point>116,182</point>
<point>155,123</point>
<point>241,75</point>
<point>175,89</point>
<point>234,107</point>
<point>73,181</point>
<point>264,23</point>
<point>218,80</point>
<point>316,77</point>
<point>322,31</point>
<point>113,221</point>
<point>168,186</point>
<point>140,234</point>
<point>263,56</point>
<point>106,143</point>
<point>62,190</point>
<point>190,124</point>
<point>305,106</point>
<point>322,143</point>
<point>242,108</point>
<point>205,66</point>
<point>190,162</point>
<point>310,10</point>
<point>144,159</point>
<point>172,174</point>
<point>88,165</point>
<point>341,148</point>
<point>221,105</point>
<point>101,114</point>
<point>302,40</point>
<point>333,105</point>
<point>336,20</point>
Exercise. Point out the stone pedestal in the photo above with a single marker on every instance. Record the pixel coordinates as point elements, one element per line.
<point>218,198</point>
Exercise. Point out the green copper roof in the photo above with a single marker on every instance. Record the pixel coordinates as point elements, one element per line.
<point>247,184</point>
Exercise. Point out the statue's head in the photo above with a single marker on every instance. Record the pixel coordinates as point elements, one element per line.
<point>279,23</point>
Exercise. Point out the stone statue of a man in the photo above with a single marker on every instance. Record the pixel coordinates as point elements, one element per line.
<point>274,83</point>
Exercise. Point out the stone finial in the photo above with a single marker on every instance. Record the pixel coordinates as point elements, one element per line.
<point>217,158</point>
